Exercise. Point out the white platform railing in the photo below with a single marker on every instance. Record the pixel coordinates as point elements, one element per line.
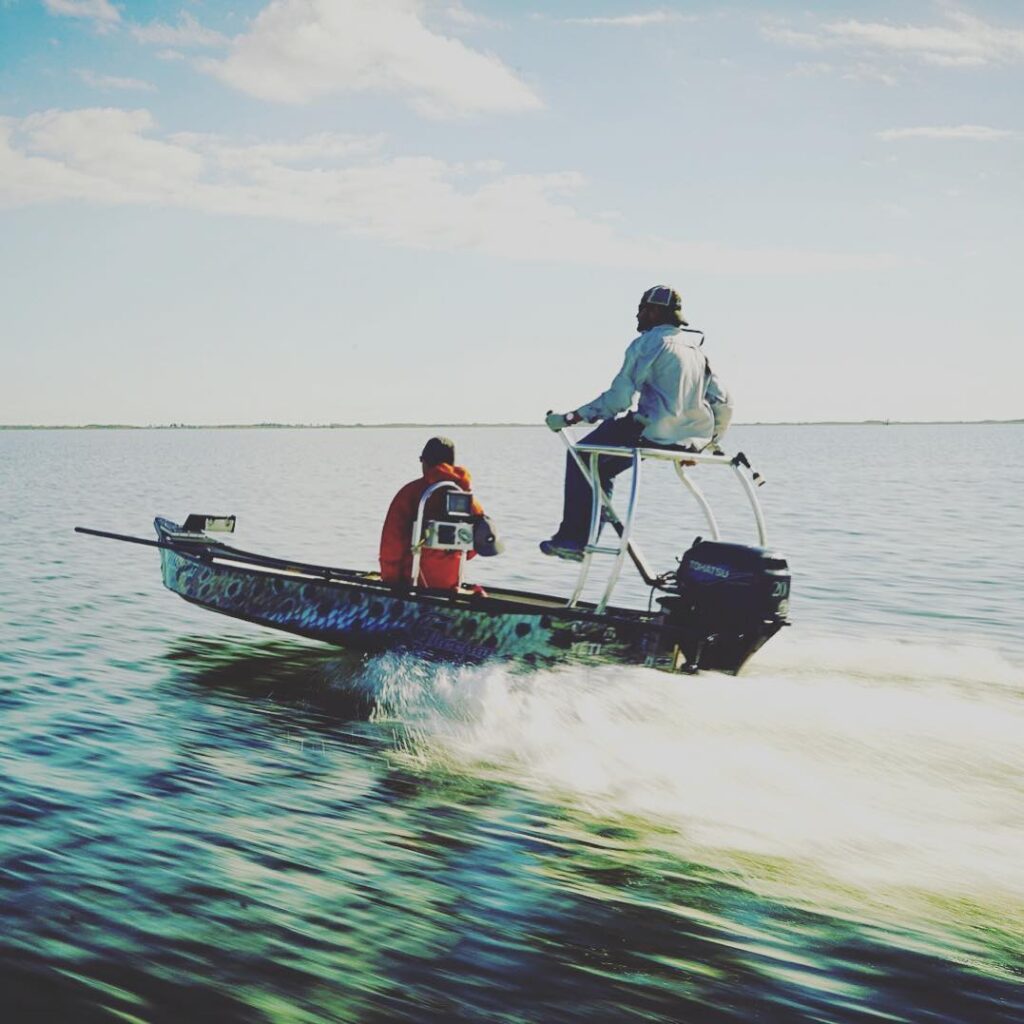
<point>586,457</point>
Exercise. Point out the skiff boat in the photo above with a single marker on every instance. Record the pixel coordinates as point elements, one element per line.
<point>713,610</point>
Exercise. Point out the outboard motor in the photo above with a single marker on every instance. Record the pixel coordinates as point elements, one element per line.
<point>729,600</point>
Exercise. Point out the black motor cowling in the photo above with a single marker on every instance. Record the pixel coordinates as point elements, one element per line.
<point>730,598</point>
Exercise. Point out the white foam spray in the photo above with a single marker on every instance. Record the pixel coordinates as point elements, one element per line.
<point>870,779</point>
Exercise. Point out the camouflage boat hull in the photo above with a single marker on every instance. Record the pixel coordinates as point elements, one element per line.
<point>356,610</point>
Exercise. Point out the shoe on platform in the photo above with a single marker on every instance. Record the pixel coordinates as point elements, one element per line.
<point>562,549</point>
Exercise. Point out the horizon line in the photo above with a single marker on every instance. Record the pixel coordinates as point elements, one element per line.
<point>393,426</point>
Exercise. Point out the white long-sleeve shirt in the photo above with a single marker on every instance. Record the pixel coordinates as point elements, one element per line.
<point>681,400</point>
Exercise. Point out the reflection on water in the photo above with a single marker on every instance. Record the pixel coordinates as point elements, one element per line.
<point>281,671</point>
<point>202,821</point>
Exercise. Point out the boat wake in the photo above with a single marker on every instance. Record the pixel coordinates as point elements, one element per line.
<point>877,781</point>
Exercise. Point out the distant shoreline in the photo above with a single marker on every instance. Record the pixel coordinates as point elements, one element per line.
<point>433,426</point>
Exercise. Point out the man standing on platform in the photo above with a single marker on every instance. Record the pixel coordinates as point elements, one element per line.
<point>682,404</point>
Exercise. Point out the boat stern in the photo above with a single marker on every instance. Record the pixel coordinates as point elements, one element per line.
<point>729,600</point>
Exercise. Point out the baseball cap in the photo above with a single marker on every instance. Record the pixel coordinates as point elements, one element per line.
<point>438,450</point>
<point>662,295</point>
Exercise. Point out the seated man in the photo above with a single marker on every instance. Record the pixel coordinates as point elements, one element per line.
<point>438,569</point>
<point>681,403</point>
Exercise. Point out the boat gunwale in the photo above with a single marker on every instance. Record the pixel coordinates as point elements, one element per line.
<point>497,601</point>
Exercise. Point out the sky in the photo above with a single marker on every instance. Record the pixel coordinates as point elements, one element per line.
<point>372,211</point>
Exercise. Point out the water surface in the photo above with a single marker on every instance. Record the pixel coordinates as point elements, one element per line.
<point>204,820</point>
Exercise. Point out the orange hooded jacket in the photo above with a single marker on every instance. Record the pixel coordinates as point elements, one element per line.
<point>439,569</point>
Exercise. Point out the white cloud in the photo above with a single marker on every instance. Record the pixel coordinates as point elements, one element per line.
<point>963,41</point>
<point>102,12</point>
<point>111,157</point>
<point>98,81</point>
<point>188,32</point>
<point>967,132</point>
<point>810,69</point>
<point>461,16</point>
<point>321,148</point>
<point>792,37</point>
<point>97,154</point>
<point>861,71</point>
<point>300,50</point>
<point>865,72</point>
<point>632,20</point>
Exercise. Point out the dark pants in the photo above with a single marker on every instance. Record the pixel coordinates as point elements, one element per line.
<point>625,433</point>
